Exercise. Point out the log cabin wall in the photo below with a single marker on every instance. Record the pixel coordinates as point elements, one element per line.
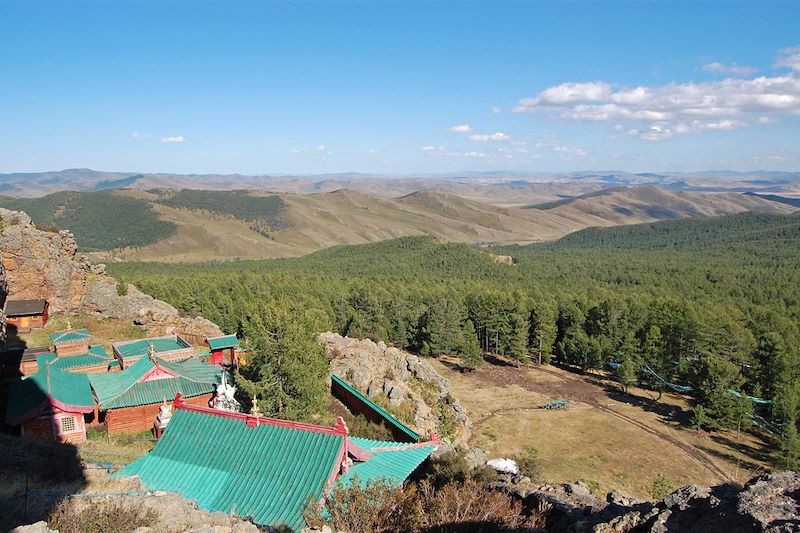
<point>142,417</point>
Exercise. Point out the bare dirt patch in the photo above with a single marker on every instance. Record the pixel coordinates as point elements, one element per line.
<point>607,438</point>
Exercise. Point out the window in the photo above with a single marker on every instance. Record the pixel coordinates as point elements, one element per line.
<point>67,424</point>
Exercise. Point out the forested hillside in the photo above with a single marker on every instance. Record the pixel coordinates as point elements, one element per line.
<point>238,204</point>
<point>101,220</point>
<point>712,304</point>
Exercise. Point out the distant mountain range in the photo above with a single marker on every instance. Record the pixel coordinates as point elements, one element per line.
<point>195,225</point>
<point>503,188</point>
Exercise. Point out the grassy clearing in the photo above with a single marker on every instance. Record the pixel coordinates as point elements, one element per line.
<point>587,443</point>
<point>104,330</point>
<point>118,450</point>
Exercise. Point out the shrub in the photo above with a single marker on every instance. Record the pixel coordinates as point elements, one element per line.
<point>662,486</point>
<point>376,507</point>
<point>452,467</point>
<point>528,463</point>
<point>122,288</point>
<point>359,426</point>
<point>469,507</point>
<point>120,517</point>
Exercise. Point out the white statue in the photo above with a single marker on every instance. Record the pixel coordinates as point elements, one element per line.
<point>224,399</point>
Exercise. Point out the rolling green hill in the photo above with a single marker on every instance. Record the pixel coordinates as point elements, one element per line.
<point>101,220</point>
<point>191,225</point>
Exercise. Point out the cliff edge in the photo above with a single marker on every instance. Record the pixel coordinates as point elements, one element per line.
<point>45,264</point>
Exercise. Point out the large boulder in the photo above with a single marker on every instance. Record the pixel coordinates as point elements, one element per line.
<point>408,383</point>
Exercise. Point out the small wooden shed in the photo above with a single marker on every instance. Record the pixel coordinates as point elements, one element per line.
<point>223,349</point>
<point>27,314</point>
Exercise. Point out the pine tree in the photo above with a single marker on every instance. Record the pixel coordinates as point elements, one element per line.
<point>470,351</point>
<point>288,368</point>
<point>441,329</point>
<point>626,373</point>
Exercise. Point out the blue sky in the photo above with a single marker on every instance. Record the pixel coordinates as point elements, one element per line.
<point>412,87</point>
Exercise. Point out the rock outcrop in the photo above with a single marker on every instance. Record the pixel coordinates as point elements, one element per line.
<point>170,512</point>
<point>768,503</point>
<point>45,264</point>
<point>407,382</point>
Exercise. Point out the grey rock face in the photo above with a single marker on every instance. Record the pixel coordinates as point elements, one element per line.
<point>403,378</point>
<point>769,503</point>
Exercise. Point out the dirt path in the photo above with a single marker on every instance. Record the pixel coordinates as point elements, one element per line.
<point>578,389</point>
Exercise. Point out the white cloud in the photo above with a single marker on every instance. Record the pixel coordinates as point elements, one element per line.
<point>496,110</point>
<point>499,136</point>
<point>661,112</point>
<point>173,140</point>
<point>789,58</point>
<point>460,128</point>
<point>558,148</point>
<point>733,69</point>
<point>321,149</point>
<point>441,150</point>
<point>137,136</point>
<point>568,93</point>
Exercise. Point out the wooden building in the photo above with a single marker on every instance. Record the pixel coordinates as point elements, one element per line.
<point>169,348</point>
<point>129,400</point>
<point>20,361</point>
<point>51,404</point>
<point>71,341</point>
<point>27,314</point>
<point>75,354</point>
<point>264,468</point>
<point>223,350</point>
<point>358,403</point>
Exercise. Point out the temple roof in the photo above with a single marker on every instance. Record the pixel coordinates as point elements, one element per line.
<point>33,395</point>
<point>261,467</point>
<point>96,355</point>
<point>141,347</point>
<point>225,341</point>
<point>71,335</point>
<point>129,387</point>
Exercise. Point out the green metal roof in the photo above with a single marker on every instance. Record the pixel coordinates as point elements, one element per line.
<point>96,355</point>
<point>413,435</point>
<point>30,396</point>
<point>141,347</point>
<point>268,472</point>
<point>116,390</point>
<point>225,341</point>
<point>391,461</point>
<point>71,335</point>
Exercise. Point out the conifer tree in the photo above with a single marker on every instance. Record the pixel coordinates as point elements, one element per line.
<point>470,351</point>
